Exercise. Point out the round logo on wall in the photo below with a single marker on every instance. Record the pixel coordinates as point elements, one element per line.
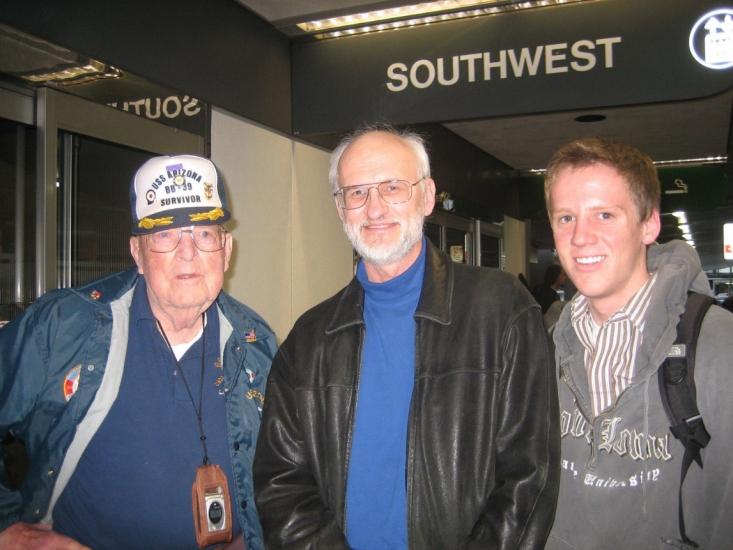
<point>711,39</point>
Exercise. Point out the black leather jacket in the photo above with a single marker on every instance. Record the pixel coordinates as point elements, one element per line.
<point>483,444</point>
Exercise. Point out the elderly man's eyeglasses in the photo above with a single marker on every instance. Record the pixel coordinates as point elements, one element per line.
<point>392,192</point>
<point>207,238</point>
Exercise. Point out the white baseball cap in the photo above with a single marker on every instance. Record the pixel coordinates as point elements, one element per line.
<point>177,191</point>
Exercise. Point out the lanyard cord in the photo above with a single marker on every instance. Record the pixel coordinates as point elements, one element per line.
<point>200,409</point>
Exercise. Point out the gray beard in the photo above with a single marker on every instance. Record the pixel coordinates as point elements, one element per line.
<point>380,254</point>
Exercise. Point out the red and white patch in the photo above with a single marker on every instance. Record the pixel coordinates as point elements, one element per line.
<point>251,375</point>
<point>71,382</point>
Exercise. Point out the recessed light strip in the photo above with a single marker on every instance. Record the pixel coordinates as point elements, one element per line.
<point>416,14</point>
<point>698,160</point>
<point>400,12</point>
<point>676,162</point>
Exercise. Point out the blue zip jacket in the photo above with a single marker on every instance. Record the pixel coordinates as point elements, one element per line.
<point>79,336</point>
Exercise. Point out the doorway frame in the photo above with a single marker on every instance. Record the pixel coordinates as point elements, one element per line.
<point>55,111</point>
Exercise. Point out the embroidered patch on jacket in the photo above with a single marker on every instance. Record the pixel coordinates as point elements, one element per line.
<point>250,336</point>
<point>251,375</point>
<point>71,382</point>
<point>258,396</point>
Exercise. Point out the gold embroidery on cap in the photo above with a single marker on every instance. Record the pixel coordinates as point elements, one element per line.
<point>212,215</point>
<point>149,223</point>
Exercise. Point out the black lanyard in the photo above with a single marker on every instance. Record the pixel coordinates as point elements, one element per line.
<point>199,411</point>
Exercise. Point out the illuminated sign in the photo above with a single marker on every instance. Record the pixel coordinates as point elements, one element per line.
<point>711,39</point>
<point>573,57</point>
<point>728,241</point>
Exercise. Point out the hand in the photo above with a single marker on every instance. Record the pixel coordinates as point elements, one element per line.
<point>37,536</point>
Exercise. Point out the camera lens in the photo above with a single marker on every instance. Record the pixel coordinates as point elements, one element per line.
<point>216,512</point>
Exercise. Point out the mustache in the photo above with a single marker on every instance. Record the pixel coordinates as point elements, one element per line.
<point>379,221</point>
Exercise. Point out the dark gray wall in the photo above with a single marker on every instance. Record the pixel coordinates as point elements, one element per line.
<point>219,52</point>
<point>215,50</point>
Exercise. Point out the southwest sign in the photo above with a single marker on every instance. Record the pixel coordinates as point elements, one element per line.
<point>567,57</point>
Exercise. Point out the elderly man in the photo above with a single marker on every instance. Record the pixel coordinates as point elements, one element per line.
<point>621,482</point>
<point>139,395</point>
<point>416,408</point>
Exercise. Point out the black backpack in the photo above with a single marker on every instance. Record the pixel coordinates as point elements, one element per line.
<point>679,397</point>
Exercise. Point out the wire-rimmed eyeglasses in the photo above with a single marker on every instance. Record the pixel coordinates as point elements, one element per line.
<point>207,238</point>
<point>392,192</point>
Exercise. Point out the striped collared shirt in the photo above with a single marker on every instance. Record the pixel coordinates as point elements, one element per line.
<point>610,350</point>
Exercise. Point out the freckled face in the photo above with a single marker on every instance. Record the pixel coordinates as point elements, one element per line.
<point>599,236</point>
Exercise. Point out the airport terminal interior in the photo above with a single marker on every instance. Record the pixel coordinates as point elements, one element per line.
<point>88,91</point>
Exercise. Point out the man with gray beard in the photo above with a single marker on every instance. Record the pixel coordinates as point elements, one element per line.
<point>416,408</point>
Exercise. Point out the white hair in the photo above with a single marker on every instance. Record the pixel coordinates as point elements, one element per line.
<point>413,140</point>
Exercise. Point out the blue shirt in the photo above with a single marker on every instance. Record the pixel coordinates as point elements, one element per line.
<point>376,494</point>
<point>132,486</point>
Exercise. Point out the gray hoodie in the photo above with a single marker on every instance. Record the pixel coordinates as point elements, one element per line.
<point>621,470</point>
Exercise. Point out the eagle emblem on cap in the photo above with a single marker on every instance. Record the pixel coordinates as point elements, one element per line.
<point>208,189</point>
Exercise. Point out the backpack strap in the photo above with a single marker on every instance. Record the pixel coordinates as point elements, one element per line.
<point>677,388</point>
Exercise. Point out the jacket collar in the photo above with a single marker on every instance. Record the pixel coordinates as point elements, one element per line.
<point>109,288</point>
<point>436,296</point>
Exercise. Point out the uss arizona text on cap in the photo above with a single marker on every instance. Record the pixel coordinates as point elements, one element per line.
<point>177,191</point>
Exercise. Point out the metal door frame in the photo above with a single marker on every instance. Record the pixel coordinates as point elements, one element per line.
<point>55,111</point>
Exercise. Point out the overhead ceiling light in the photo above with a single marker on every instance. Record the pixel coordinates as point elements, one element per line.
<point>39,62</point>
<point>676,162</point>
<point>415,14</point>
<point>73,74</point>
<point>681,216</point>
<point>698,160</point>
<point>400,12</point>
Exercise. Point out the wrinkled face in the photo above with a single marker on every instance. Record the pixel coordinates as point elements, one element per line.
<point>183,279</point>
<point>599,237</point>
<point>385,234</point>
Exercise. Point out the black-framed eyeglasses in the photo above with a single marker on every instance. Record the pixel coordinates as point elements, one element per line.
<point>207,238</point>
<point>392,192</point>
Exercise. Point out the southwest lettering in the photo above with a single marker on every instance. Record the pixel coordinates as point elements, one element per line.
<point>580,56</point>
<point>525,61</point>
<point>155,107</point>
<point>580,50</point>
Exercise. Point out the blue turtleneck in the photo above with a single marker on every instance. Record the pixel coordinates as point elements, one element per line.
<point>376,499</point>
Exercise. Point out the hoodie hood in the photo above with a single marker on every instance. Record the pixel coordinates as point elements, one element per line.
<point>678,270</point>
<point>679,261</point>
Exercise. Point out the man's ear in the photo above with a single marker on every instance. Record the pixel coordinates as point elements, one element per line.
<point>428,196</point>
<point>228,246</point>
<point>651,227</point>
<point>135,252</point>
<point>339,210</point>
